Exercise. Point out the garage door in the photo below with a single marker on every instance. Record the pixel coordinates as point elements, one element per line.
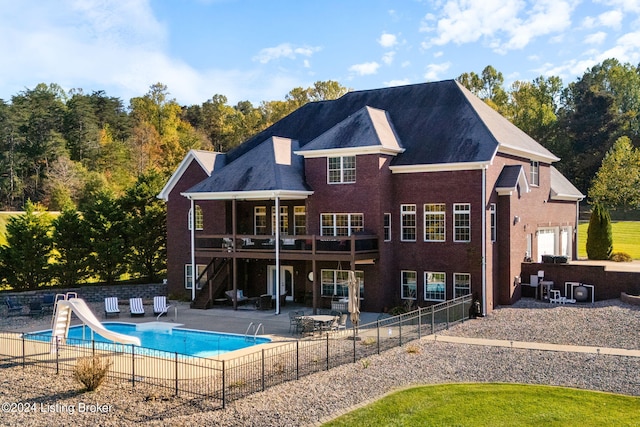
<point>546,242</point>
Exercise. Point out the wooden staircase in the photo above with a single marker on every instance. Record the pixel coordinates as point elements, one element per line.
<point>217,272</point>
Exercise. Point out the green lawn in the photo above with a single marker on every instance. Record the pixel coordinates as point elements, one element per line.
<point>626,238</point>
<point>495,405</point>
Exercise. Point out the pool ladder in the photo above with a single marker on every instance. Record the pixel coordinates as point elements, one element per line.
<point>253,329</point>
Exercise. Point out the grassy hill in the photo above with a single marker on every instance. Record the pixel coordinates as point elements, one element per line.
<point>626,238</point>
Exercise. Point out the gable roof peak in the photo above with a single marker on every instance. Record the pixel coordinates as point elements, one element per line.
<point>367,130</point>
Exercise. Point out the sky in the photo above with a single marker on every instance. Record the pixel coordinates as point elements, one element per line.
<point>258,50</point>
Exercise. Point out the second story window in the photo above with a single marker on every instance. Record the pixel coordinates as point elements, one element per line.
<point>492,220</point>
<point>408,223</point>
<point>260,220</point>
<point>198,218</point>
<point>300,220</point>
<point>387,227</point>
<point>534,176</point>
<point>341,170</point>
<point>284,219</point>
<point>341,224</point>
<point>434,225</point>
<point>462,222</point>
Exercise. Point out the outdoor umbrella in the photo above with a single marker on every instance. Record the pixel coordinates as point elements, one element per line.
<point>354,298</point>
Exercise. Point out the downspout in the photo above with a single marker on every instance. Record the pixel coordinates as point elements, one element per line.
<point>484,240</point>
<point>193,250</point>
<point>277,284</point>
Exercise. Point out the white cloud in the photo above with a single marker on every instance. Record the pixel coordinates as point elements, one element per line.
<point>284,50</point>
<point>387,58</point>
<point>400,82</point>
<point>438,54</point>
<point>596,38</point>
<point>501,24</point>
<point>434,71</point>
<point>387,40</point>
<point>612,19</point>
<point>365,69</point>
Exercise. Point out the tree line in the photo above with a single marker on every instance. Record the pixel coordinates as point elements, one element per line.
<point>108,237</point>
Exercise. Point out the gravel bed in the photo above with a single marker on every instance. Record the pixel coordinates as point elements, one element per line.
<point>325,395</point>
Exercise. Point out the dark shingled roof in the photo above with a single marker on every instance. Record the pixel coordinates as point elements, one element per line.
<point>367,127</point>
<point>271,165</point>
<point>438,122</point>
<point>509,176</point>
<point>425,124</point>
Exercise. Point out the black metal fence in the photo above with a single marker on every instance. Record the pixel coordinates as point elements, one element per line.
<point>225,380</point>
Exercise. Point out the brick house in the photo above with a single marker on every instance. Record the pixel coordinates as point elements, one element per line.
<point>423,190</point>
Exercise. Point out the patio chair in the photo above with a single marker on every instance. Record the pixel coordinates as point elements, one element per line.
<point>307,326</point>
<point>35,309</point>
<point>135,307</point>
<point>48,301</point>
<point>239,297</point>
<point>15,309</point>
<point>342,323</point>
<point>294,321</point>
<point>160,306</point>
<point>111,307</point>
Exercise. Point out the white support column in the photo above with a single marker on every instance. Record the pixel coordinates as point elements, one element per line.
<point>277,284</point>
<point>193,251</point>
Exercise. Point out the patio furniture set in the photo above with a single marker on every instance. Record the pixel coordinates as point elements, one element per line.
<point>310,324</point>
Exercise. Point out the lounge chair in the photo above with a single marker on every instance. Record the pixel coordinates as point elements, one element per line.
<point>240,298</point>
<point>160,306</point>
<point>35,309</point>
<point>135,307</point>
<point>111,306</point>
<point>15,309</point>
<point>48,301</point>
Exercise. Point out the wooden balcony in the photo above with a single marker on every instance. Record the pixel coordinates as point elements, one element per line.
<point>308,247</point>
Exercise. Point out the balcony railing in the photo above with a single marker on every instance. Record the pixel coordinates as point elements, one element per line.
<point>357,245</point>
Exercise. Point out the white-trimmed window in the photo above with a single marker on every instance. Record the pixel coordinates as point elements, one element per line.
<point>387,227</point>
<point>335,282</point>
<point>199,219</point>
<point>408,223</point>
<point>341,170</point>
<point>409,284</point>
<point>299,220</point>
<point>260,220</point>
<point>435,286</point>
<point>346,224</point>
<point>461,222</point>
<point>434,222</point>
<point>492,221</point>
<point>461,284</point>
<point>284,219</point>
<point>188,279</point>
<point>534,173</point>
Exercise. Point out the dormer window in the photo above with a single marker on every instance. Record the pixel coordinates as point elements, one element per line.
<point>534,178</point>
<point>341,170</point>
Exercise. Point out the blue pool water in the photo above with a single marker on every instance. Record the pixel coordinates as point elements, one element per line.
<point>177,340</point>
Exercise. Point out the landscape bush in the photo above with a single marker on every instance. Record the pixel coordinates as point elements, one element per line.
<point>91,371</point>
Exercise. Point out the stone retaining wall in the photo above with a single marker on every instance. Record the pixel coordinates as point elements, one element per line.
<point>93,293</point>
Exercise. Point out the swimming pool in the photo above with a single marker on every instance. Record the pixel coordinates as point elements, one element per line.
<point>162,337</point>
